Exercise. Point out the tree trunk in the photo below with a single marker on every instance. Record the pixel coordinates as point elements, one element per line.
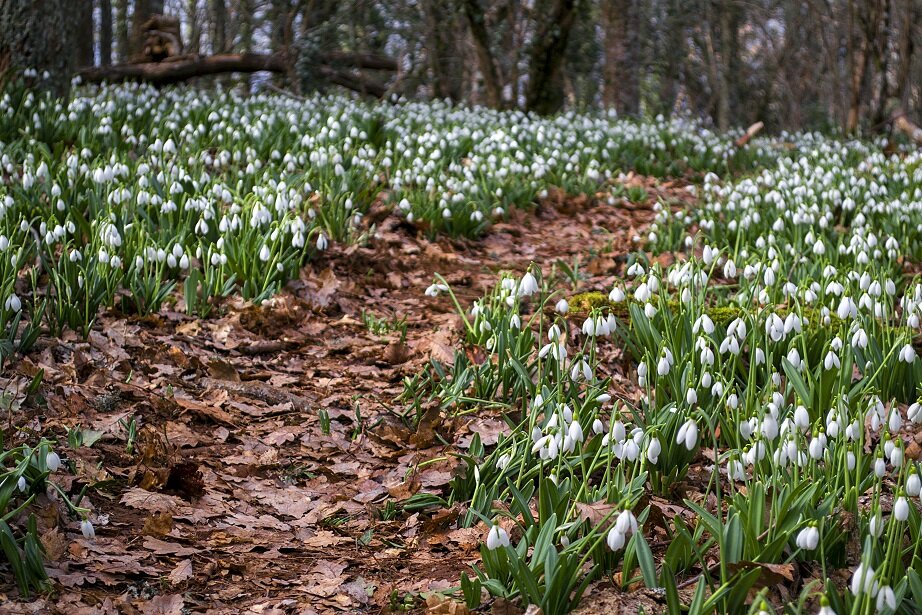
<point>84,32</point>
<point>105,32</point>
<point>620,71</point>
<point>218,12</point>
<point>546,60</point>
<point>481,40</point>
<point>722,66</point>
<point>195,27</point>
<point>441,54</point>
<point>143,9</point>
<point>246,25</point>
<point>39,34</point>
<point>122,43</point>
<point>672,47</point>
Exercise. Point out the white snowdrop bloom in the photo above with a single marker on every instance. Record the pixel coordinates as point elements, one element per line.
<point>831,361</point>
<point>52,461</point>
<point>886,599</point>
<point>13,303</point>
<point>901,509</point>
<point>663,366</point>
<point>597,426</point>
<point>688,434</point>
<point>562,306</point>
<point>528,285</point>
<point>691,397</point>
<point>876,525</point>
<point>895,422</point>
<point>880,467</point>
<point>914,412</point>
<point>21,484</point>
<point>907,353</point>
<point>497,537</point>
<point>808,538</point>
<point>86,528</point>
<point>264,253</point>
<point>913,484</point>
<point>654,448</point>
<point>616,295</point>
<point>863,581</point>
<point>615,539</point>
<point>322,242</point>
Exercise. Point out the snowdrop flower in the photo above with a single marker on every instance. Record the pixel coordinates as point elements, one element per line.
<point>908,353</point>
<point>497,537</point>
<point>863,581</point>
<point>901,509</point>
<point>886,599</point>
<point>654,448</point>
<point>825,609</point>
<point>322,242</point>
<point>87,529</point>
<point>562,306</point>
<point>691,397</point>
<point>688,434</point>
<point>13,303</point>
<point>528,286</point>
<point>52,461</point>
<point>662,368</point>
<point>615,539</point>
<point>616,295</point>
<point>264,253</point>
<point>876,525</point>
<point>808,538</point>
<point>913,483</point>
<point>21,484</point>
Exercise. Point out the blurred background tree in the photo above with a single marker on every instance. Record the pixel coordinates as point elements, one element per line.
<point>794,64</point>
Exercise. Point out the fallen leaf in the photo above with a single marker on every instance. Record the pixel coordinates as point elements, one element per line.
<point>182,572</point>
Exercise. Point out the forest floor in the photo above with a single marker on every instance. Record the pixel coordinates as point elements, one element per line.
<point>236,494</point>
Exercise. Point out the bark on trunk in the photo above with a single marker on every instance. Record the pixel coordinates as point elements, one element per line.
<point>620,71</point>
<point>122,43</point>
<point>481,40</point>
<point>218,26</point>
<point>545,67</point>
<point>105,32</point>
<point>39,34</point>
<point>83,17</point>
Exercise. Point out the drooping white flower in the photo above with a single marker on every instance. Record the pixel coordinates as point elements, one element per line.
<point>87,529</point>
<point>863,581</point>
<point>497,537</point>
<point>52,461</point>
<point>808,538</point>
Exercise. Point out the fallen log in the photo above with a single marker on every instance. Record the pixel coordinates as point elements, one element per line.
<point>182,68</point>
<point>164,73</point>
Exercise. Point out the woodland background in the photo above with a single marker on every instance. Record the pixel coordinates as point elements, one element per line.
<point>792,64</point>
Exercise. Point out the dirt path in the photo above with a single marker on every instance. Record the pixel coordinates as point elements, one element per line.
<point>238,495</point>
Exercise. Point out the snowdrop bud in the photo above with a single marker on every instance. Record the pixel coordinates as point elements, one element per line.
<point>21,483</point>
<point>901,509</point>
<point>653,450</point>
<point>597,426</point>
<point>876,526</point>
<point>87,529</point>
<point>913,484</point>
